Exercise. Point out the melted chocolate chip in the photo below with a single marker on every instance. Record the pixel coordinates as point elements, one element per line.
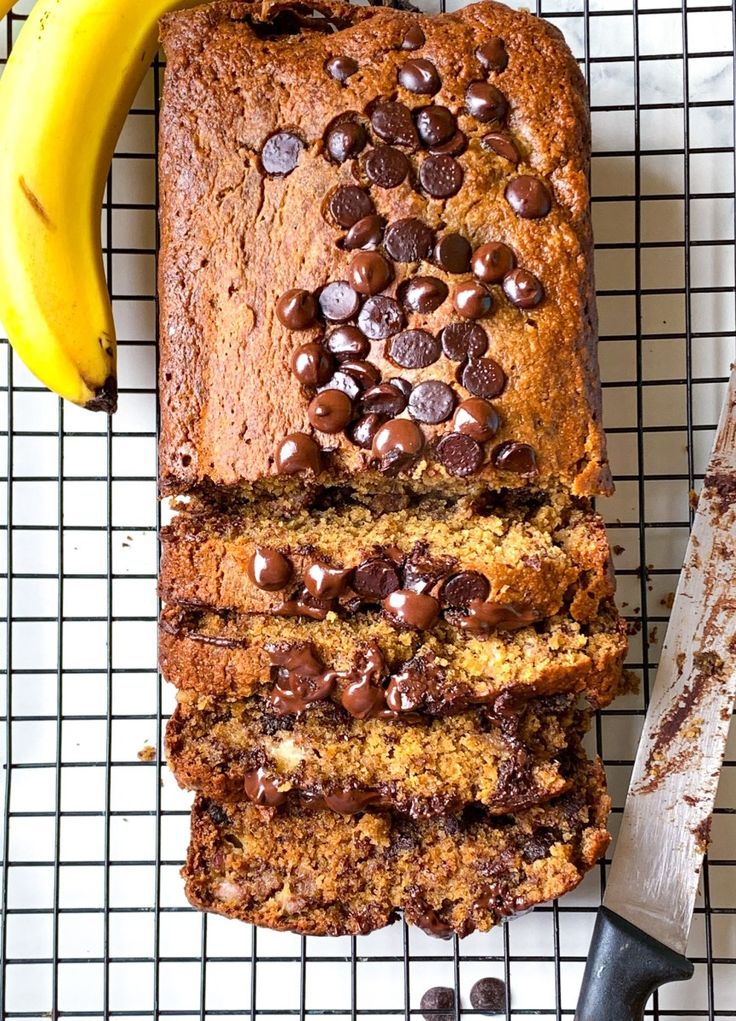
<point>311,364</point>
<point>460,454</point>
<point>385,399</point>
<point>489,995</point>
<point>365,234</point>
<point>344,381</point>
<point>362,432</point>
<point>376,578</point>
<point>281,153</point>
<point>325,582</point>
<point>261,789</point>
<point>485,102</point>
<point>472,300</point>
<point>436,1000</point>
<point>346,343</point>
<point>431,402</point>
<point>502,145</point>
<point>298,452</point>
<point>393,123</point>
<point>483,618</point>
<point>522,288</point>
<point>300,679</point>
<point>338,301</point>
<point>528,197</point>
<point>436,125</point>
<point>492,55</point>
<point>386,167</point>
<point>462,588</point>
<point>422,294</point>
<point>363,694</point>
<point>463,340</point>
<point>515,457</point>
<point>381,317</point>
<point>492,262</point>
<point>365,374</point>
<point>341,68</point>
<point>483,377</point>
<point>413,349</point>
<point>408,240</point>
<point>351,802</point>
<point>398,442</point>
<point>477,418</point>
<point>269,570</point>
<point>330,411</point>
<point>412,609</point>
<point>304,605</point>
<point>369,272</point>
<point>345,140</point>
<point>419,76</point>
<point>349,203</point>
<point>414,38</point>
<point>452,253</point>
<point>430,922</point>
<point>441,176</point>
<point>454,146</point>
<point>296,309</point>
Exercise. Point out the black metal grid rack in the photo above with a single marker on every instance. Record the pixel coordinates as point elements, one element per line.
<point>94,924</point>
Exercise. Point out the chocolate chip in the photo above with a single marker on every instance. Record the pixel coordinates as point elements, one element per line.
<point>311,364</point>
<point>454,146</point>
<point>422,294</point>
<point>345,140</point>
<point>515,457</point>
<point>431,402</point>
<point>269,570</point>
<point>366,233</point>
<point>398,438</point>
<point>401,384</point>
<point>483,377</point>
<point>296,309</point>
<point>369,272</point>
<point>281,153</point>
<point>483,618</point>
<point>463,340</point>
<point>384,399</point>
<point>298,452</point>
<point>376,578</point>
<point>528,197</point>
<point>489,995</point>
<point>330,411</point>
<point>341,380</point>
<point>393,123</point>
<point>408,240</point>
<point>347,343</point>
<point>485,102</point>
<point>412,609</point>
<point>472,300</point>
<point>338,301</point>
<point>460,454</point>
<point>492,55</point>
<point>501,145</point>
<point>452,253</point>
<point>413,349</point>
<point>435,124</point>
<point>435,1000</point>
<point>419,76</point>
<point>459,589</point>
<point>441,176</point>
<point>477,418</point>
<point>381,317</point>
<point>522,288</point>
<point>492,262</point>
<point>341,68</point>
<point>362,432</point>
<point>386,167</point>
<point>414,38</point>
<point>325,582</point>
<point>261,789</point>
<point>364,373</point>
<point>349,204</point>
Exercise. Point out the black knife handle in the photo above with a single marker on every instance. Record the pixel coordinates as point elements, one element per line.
<point>624,967</point>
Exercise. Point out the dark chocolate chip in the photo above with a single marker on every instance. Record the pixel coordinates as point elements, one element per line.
<point>345,140</point>
<point>362,432</point>
<point>347,343</point>
<point>483,377</point>
<point>485,102</point>
<point>492,262</point>
<point>528,197</point>
<point>460,454</point>
<point>341,380</point>
<point>408,240</point>
<point>413,349</point>
<point>477,418</point>
<point>381,317</point>
<point>311,364</point>
<point>281,153</point>
<point>349,203</point>
<point>330,411</point>
<point>269,570</point>
<point>412,609</point>
<point>436,1000</point>
<point>325,582</point>
<point>431,402</point>
<point>501,145</point>
<point>441,176</point>
<point>398,437</point>
<point>393,123</point>
<point>384,399</point>
<point>492,55</point>
<point>414,38</point>
<point>375,578</point>
<point>522,288</point>
<point>419,76</point>
<point>472,300</point>
<point>261,789</point>
<point>459,589</point>
<point>452,253</point>
<point>353,802</point>
<point>369,272</point>
<point>436,125</point>
<point>483,618</point>
<point>463,340</point>
<point>298,452</point>
<point>454,146</point>
<point>401,384</point>
<point>341,68</point>
<point>386,167</point>
<point>422,294</point>
<point>296,309</point>
<point>365,234</point>
<point>515,457</point>
<point>489,995</point>
<point>339,302</point>
<point>365,374</point>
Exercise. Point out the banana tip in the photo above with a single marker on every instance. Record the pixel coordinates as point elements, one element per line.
<point>105,398</point>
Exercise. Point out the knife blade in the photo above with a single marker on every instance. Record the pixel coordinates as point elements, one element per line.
<point>642,929</point>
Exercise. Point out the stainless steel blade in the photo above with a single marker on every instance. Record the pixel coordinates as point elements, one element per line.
<point>664,832</point>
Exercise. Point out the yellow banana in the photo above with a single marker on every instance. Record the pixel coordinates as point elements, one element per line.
<point>64,95</point>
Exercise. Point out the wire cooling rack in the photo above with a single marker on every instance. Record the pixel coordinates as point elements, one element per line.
<point>95,924</point>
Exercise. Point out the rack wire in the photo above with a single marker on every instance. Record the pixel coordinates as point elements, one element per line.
<point>94,923</point>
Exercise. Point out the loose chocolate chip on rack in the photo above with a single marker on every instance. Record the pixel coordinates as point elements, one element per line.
<point>362,432</point>
<point>408,240</point>
<point>436,125</point>
<point>522,288</point>
<point>422,294</point>
<point>441,176</point>
<point>364,373</point>
<point>311,364</point>
<point>339,302</point>
<point>341,68</point>
<point>452,253</point>
<point>412,609</point>
<point>386,167</point>
<point>463,340</point>
<point>501,145</point>
<point>419,76</point>
<point>483,378</point>
<point>431,402</point>
<point>436,1000</point>
<point>460,454</point>
<point>369,272</point>
<point>330,411</point>
<point>281,153</point>
<point>381,317</point>
<point>528,197</point>
<point>398,442</point>
<point>454,146</point>
<point>492,55</point>
<point>461,588</point>
<point>296,309</point>
<point>489,995</point>
<point>484,617</point>
<point>261,789</point>
<point>384,399</point>
<point>325,582</point>
<point>515,457</point>
<point>401,384</point>
<point>413,349</point>
<point>344,381</point>
<point>393,123</point>
<point>346,343</point>
<point>298,452</point>
<point>269,570</point>
<point>349,203</point>
<point>365,234</point>
<point>375,578</point>
<point>485,102</point>
<point>414,38</point>
<point>345,140</point>
<point>477,418</point>
<point>492,262</point>
<point>472,300</point>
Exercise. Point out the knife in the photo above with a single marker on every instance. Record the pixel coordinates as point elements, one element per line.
<point>642,928</point>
